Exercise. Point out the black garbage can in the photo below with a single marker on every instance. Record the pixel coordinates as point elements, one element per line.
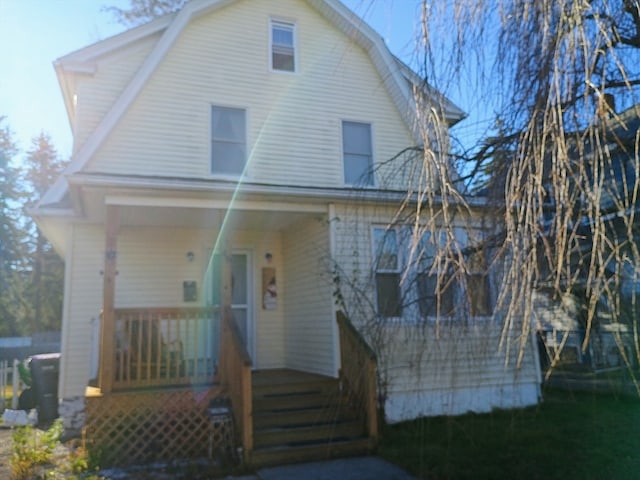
<point>45,370</point>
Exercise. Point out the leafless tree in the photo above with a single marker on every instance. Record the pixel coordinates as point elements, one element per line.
<point>143,11</point>
<point>561,164</point>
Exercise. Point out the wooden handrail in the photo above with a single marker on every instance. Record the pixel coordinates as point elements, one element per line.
<point>236,378</point>
<point>165,310</point>
<point>346,324</point>
<point>358,372</point>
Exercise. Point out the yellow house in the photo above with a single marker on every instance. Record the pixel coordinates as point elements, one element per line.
<point>220,156</point>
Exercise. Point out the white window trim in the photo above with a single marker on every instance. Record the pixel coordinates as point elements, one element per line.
<point>228,176</point>
<point>412,315</point>
<point>294,27</point>
<point>372,132</point>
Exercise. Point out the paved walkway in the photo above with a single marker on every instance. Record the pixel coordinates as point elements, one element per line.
<point>359,468</point>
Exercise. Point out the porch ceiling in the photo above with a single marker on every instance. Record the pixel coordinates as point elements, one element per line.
<point>197,212</point>
<point>207,218</point>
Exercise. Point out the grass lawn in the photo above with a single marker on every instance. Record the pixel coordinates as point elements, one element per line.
<point>569,435</point>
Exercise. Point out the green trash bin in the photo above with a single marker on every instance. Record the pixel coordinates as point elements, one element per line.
<point>45,370</point>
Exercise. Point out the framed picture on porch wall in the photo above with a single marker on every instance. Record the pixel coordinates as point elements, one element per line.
<point>269,291</point>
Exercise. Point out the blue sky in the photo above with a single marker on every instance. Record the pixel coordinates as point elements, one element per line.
<point>33,33</point>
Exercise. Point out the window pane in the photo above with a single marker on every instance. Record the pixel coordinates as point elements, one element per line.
<point>228,124</point>
<point>356,150</point>
<point>228,140</point>
<point>282,35</point>
<point>227,158</point>
<point>479,300</point>
<point>357,170</point>
<point>239,287</point>
<point>356,138</point>
<point>386,249</point>
<point>388,294</point>
<point>427,286</point>
<point>283,61</point>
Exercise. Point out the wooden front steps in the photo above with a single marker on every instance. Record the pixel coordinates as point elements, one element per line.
<point>301,417</point>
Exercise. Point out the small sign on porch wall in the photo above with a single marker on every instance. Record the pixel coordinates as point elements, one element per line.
<point>189,291</point>
<point>269,290</point>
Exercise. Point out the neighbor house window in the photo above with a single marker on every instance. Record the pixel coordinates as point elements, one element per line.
<point>228,140</point>
<point>387,272</point>
<point>357,153</point>
<point>478,291</point>
<point>283,52</point>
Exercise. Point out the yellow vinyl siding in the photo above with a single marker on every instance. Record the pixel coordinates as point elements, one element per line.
<point>84,302</point>
<point>426,368</point>
<point>309,316</point>
<point>294,120</point>
<point>97,93</point>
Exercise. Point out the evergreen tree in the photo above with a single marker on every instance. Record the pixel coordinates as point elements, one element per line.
<point>44,291</point>
<point>11,236</point>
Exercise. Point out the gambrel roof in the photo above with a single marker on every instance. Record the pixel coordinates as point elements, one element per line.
<point>399,80</point>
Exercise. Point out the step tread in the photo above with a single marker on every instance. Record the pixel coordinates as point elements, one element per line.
<point>293,388</point>
<point>296,434</point>
<point>278,454</point>
<point>296,401</point>
<point>313,415</point>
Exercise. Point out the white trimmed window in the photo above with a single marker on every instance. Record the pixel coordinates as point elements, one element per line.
<point>436,291</point>
<point>283,50</point>
<point>387,272</point>
<point>357,153</point>
<point>228,140</point>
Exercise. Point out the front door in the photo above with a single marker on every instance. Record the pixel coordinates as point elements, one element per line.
<point>241,294</point>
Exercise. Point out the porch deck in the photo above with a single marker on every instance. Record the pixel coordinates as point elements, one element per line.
<point>280,415</point>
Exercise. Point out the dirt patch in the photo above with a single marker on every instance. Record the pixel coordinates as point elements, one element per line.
<point>6,450</point>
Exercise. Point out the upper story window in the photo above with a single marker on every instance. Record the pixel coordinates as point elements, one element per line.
<point>228,140</point>
<point>283,50</point>
<point>357,153</point>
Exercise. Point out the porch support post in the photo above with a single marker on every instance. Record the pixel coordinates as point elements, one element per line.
<point>107,328</point>
<point>225,298</point>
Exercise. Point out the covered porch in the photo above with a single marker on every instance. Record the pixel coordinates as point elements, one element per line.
<point>185,320</point>
<point>158,413</point>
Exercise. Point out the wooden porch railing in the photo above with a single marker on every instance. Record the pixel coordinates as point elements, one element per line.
<point>163,346</point>
<point>235,376</point>
<point>358,371</point>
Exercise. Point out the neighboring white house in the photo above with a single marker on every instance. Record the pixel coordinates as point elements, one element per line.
<point>265,126</point>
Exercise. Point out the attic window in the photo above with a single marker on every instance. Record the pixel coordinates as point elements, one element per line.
<point>283,54</point>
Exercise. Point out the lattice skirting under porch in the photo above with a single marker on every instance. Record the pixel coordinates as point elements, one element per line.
<point>128,428</point>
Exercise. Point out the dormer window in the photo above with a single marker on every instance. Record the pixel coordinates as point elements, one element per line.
<point>283,51</point>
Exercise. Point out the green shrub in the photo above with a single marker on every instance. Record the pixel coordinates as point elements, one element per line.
<point>32,448</point>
